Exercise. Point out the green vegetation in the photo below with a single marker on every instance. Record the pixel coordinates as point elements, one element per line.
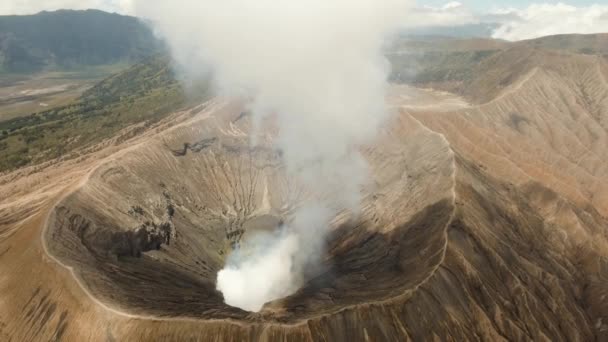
<point>144,93</point>
<point>72,39</point>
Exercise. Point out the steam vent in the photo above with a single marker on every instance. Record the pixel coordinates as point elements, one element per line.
<point>442,249</point>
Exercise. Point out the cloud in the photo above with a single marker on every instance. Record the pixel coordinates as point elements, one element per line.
<point>536,20</point>
<point>452,5</point>
<point>539,20</point>
<point>451,14</point>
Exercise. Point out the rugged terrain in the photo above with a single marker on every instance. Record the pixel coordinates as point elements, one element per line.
<point>485,219</point>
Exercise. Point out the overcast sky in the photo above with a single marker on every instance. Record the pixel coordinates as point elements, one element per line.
<point>518,19</point>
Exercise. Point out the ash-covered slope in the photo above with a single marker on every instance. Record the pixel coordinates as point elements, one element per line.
<point>547,123</point>
<point>543,135</point>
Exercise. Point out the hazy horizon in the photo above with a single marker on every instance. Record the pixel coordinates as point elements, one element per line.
<point>510,20</point>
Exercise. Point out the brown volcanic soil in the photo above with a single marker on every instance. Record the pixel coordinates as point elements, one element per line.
<point>483,222</point>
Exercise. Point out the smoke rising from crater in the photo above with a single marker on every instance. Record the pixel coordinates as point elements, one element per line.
<point>316,66</point>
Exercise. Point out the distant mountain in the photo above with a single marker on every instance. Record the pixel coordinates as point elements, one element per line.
<point>481,30</point>
<point>481,68</point>
<point>69,39</point>
<point>587,44</point>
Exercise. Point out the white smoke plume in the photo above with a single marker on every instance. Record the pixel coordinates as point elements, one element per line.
<point>317,65</point>
<point>271,265</point>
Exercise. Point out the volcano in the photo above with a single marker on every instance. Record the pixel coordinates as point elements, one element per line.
<point>485,218</point>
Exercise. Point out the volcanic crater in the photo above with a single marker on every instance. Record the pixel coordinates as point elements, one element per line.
<point>148,231</point>
<point>499,235</point>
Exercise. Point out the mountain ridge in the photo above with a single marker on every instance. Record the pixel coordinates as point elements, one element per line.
<point>68,39</point>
